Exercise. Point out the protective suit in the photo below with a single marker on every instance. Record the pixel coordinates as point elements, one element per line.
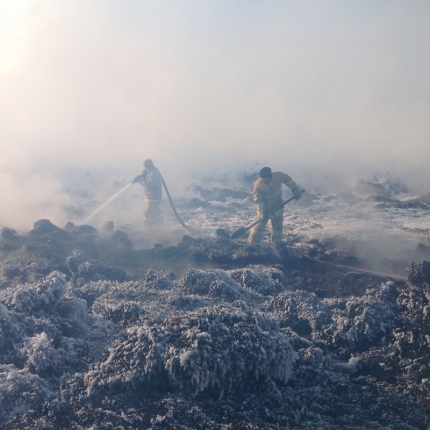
<point>268,197</point>
<point>151,180</point>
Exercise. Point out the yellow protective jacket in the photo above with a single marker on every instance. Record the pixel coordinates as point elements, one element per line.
<point>153,186</point>
<point>269,196</point>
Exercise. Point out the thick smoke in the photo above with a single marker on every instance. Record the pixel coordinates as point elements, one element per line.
<point>326,91</point>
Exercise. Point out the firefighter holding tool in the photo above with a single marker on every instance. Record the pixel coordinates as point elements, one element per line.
<point>268,198</point>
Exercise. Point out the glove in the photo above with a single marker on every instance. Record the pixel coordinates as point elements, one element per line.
<point>137,179</point>
<point>294,189</point>
<point>296,193</point>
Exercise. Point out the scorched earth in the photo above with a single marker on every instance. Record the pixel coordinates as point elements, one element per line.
<point>123,329</point>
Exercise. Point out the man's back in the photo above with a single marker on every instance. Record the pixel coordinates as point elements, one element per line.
<point>153,185</point>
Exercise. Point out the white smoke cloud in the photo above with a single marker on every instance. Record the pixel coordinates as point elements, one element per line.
<point>311,88</point>
<point>30,198</point>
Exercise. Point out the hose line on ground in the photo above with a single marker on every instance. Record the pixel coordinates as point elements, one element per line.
<point>172,205</point>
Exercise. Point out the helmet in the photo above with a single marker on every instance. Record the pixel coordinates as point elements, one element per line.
<point>266,172</point>
<point>148,163</point>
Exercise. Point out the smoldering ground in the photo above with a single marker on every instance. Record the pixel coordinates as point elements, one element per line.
<point>246,334</point>
<point>378,224</point>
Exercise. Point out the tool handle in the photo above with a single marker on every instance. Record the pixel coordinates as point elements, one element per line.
<point>243,230</point>
<point>283,204</point>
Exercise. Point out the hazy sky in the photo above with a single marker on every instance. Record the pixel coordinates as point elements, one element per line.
<point>304,86</point>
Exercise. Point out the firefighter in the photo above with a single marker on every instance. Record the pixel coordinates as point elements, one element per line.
<point>268,197</point>
<point>151,181</point>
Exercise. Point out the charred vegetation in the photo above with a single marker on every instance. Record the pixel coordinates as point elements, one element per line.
<point>206,334</point>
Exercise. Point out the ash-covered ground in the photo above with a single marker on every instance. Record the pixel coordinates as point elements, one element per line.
<point>124,328</point>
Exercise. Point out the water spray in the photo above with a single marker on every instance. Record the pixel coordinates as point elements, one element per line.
<point>106,203</point>
<point>123,189</point>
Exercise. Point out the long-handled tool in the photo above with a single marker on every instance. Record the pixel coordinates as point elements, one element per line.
<point>243,230</point>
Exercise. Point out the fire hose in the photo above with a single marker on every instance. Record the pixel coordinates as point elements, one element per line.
<point>172,205</point>
<point>168,196</point>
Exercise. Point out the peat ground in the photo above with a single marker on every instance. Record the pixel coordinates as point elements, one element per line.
<point>208,334</point>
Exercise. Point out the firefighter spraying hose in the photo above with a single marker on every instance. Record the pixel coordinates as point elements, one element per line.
<point>152,180</point>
